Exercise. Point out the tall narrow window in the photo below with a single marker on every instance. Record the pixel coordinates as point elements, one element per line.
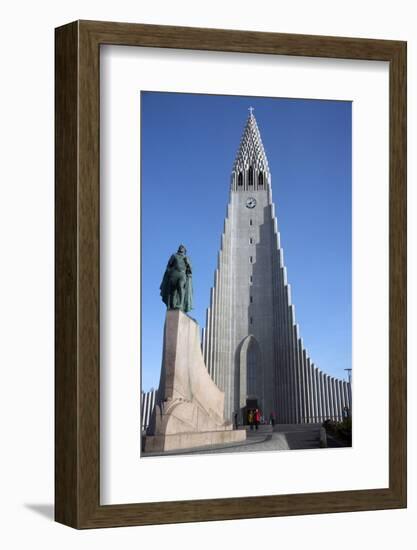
<point>250,240</point>
<point>251,279</point>
<point>251,299</point>
<point>250,221</point>
<point>250,259</point>
<point>250,175</point>
<point>260,179</point>
<point>240,179</point>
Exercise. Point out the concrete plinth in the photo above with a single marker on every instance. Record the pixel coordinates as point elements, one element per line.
<point>190,407</point>
<point>188,440</point>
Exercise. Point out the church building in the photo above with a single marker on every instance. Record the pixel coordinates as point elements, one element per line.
<point>252,345</point>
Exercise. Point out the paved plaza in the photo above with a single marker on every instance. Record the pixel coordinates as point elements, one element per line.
<point>283,437</point>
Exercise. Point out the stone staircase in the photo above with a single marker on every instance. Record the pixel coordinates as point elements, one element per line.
<point>300,436</point>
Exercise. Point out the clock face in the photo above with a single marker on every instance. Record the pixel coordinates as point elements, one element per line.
<point>251,202</point>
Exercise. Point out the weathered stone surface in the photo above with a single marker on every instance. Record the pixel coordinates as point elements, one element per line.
<point>191,440</point>
<point>190,407</point>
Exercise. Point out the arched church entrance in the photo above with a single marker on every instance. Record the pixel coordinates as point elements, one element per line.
<point>251,377</point>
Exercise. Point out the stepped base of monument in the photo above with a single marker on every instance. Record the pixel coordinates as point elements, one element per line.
<point>174,442</point>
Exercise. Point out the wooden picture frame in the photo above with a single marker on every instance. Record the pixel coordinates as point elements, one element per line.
<point>77,359</point>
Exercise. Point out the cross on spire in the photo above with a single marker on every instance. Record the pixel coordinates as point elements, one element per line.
<point>251,109</point>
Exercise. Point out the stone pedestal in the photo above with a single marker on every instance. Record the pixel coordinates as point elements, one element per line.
<point>190,407</point>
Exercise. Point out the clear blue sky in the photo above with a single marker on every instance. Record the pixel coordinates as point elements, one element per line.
<point>189,143</point>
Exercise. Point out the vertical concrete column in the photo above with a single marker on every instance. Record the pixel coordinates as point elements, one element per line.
<point>337,401</point>
<point>313,393</point>
<point>317,378</point>
<point>213,337</point>
<point>306,385</point>
<point>330,393</point>
<point>207,338</point>
<point>221,317</point>
<point>230,320</point>
<point>216,370</point>
<point>147,406</point>
<point>297,377</point>
<point>211,341</point>
<point>274,373</point>
<point>292,367</point>
<point>303,381</point>
<point>339,398</point>
<point>285,353</point>
<point>333,398</point>
<point>349,388</point>
<point>290,358</point>
<point>277,332</point>
<point>346,400</point>
<point>327,396</point>
<point>278,340</point>
<point>344,395</point>
<point>314,387</point>
<point>301,371</point>
<point>281,347</point>
<point>310,393</point>
<point>208,346</point>
<point>287,347</point>
<point>142,409</point>
<point>151,406</point>
<point>323,397</point>
<point>296,392</point>
<point>300,378</point>
<point>203,343</point>
<point>216,332</point>
<point>319,397</point>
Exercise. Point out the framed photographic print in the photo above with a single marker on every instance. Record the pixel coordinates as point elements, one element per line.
<point>278,386</point>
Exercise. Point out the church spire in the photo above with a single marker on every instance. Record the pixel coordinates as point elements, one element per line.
<point>250,169</point>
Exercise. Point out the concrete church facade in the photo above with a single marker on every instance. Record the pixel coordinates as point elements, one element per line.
<point>251,344</point>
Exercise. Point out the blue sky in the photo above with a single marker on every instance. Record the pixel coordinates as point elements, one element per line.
<point>189,143</point>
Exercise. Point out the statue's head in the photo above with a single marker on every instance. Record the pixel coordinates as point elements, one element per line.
<point>182,249</point>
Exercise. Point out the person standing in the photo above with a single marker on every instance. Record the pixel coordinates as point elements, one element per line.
<point>250,418</point>
<point>257,417</point>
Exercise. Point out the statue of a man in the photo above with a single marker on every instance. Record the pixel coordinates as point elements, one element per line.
<point>176,287</point>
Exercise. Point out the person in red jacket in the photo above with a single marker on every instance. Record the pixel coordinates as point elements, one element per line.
<point>257,417</point>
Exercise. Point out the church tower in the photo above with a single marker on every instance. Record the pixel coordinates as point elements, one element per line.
<point>251,343</point>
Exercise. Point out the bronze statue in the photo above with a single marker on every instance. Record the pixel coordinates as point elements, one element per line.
<point>176,287</point>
